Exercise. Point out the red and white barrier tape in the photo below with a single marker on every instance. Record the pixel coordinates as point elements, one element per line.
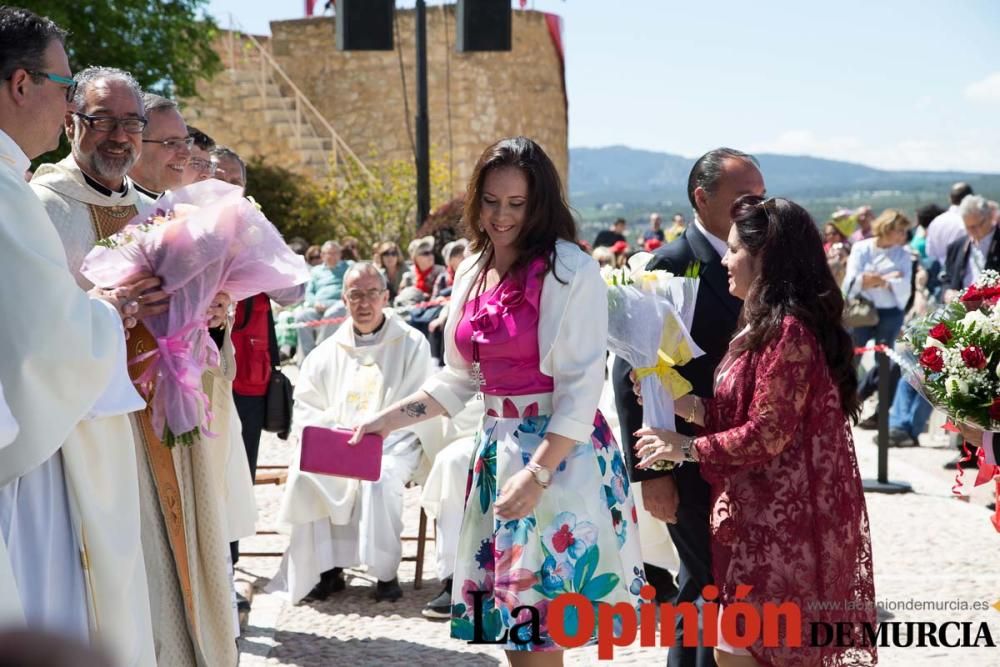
<point>440,301</point>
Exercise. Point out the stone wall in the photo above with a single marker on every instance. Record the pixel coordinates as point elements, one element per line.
<point>489,95</point>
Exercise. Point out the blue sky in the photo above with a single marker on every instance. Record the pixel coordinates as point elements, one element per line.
<point>900,84</point>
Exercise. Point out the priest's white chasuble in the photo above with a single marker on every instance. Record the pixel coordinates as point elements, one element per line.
<point>336,521</point>
<point>177,513</point>
<point>55,368</point>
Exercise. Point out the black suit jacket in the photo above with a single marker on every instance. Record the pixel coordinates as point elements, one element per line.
<point>957,259</point>
<point>715,316</point>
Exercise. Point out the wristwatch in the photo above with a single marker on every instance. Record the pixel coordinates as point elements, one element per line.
<point>687,449</point>
<point>542,475</point>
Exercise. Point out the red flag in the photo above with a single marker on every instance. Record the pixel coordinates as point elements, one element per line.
<point>310,5</point>
<point>523,3</point>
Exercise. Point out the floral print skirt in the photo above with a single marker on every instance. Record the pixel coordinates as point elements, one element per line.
<point>581,538</point>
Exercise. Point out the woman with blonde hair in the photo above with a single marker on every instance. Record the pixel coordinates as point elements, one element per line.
<point>389,261</point>
<point>879,270</point>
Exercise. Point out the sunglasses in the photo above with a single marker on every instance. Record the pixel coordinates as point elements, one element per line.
<point>390,253</point>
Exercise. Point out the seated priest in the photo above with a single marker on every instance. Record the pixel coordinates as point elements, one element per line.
<point>372,361</point>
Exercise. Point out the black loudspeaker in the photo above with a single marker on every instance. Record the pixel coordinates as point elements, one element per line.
<point>482,25</point>
<point>365,25</point>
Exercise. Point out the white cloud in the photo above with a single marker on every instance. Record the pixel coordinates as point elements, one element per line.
<point>805,142</point>
<point>987,90</point>
<point>973,152</point>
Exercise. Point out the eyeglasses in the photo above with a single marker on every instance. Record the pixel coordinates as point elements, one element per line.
<point>203,166</point>
<point>66,81</point>
<point>172,144</point>
<point>357,295</point>
<point>110,123</point>
<point>425,253</point>
<point>390,253</point>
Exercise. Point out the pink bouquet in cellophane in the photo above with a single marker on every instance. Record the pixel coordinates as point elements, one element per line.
<point>199,240</point>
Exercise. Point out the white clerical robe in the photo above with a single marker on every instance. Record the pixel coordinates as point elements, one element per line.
<point>227,446</point>
<point>336,521</point>
<point>102,471</point>
<point>54,370</point>
<point>10,604</point>
<point>443,494</point>
<point>8,425</point>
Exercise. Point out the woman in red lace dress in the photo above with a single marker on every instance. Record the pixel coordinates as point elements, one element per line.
<point>789,516</point>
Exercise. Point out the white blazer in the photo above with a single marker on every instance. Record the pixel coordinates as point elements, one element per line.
<point>572,340</point>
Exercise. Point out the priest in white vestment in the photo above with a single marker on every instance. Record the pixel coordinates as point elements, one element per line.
<point>373,360</point>
<point>178,506</point>
<point>56,373</point>
<point>10,603</point>
<point>160,167</point>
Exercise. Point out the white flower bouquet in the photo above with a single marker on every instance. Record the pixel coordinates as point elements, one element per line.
<point>649,318</point>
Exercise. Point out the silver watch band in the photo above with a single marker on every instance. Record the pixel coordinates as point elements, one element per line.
<point>686,449</point>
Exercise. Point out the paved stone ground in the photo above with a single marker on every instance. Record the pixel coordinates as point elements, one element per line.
<point>928,546</point>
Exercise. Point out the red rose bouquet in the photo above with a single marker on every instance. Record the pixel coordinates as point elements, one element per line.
<point>955,354</point>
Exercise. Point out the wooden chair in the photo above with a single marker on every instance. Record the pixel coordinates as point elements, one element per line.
<point>276,474</point>
<point>421,539</point>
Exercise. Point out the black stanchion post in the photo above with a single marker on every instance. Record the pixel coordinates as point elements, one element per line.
<point>883,417</point>
<point>423,159</point>
<point>882,484</point>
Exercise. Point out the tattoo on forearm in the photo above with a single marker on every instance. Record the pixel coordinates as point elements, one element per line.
<point>415,409</point>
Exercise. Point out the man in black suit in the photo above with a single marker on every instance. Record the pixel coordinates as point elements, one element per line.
<point>681,498</point>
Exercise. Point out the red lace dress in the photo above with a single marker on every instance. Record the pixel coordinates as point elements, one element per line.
<point>789,515</point>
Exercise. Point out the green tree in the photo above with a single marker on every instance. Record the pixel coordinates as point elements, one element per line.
<point>382,208</point>
<point>349,203</point>
<point>289,201</point>
<point>165,44</point>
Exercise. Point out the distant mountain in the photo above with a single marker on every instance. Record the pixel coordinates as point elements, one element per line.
<point>618,177</point>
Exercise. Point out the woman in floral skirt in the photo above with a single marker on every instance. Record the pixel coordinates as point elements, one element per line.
<point>548,507</point>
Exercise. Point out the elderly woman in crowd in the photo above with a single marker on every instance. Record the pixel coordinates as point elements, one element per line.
<point>604,256</point>
<point>423,272</point>
<point>832,235</point>
<point>389,261</point>
<point>314,255</point>
<point>453,253</point>
<point>880,270</point>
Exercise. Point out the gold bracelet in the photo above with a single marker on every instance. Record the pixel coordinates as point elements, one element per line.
<point>694,411</point>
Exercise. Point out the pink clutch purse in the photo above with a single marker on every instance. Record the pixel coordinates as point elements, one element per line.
<point>325,451</point>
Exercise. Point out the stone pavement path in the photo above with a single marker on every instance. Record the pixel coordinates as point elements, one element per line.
<point>928,547</point>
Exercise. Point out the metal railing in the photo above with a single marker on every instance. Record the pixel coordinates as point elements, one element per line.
<point>307,116</point>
